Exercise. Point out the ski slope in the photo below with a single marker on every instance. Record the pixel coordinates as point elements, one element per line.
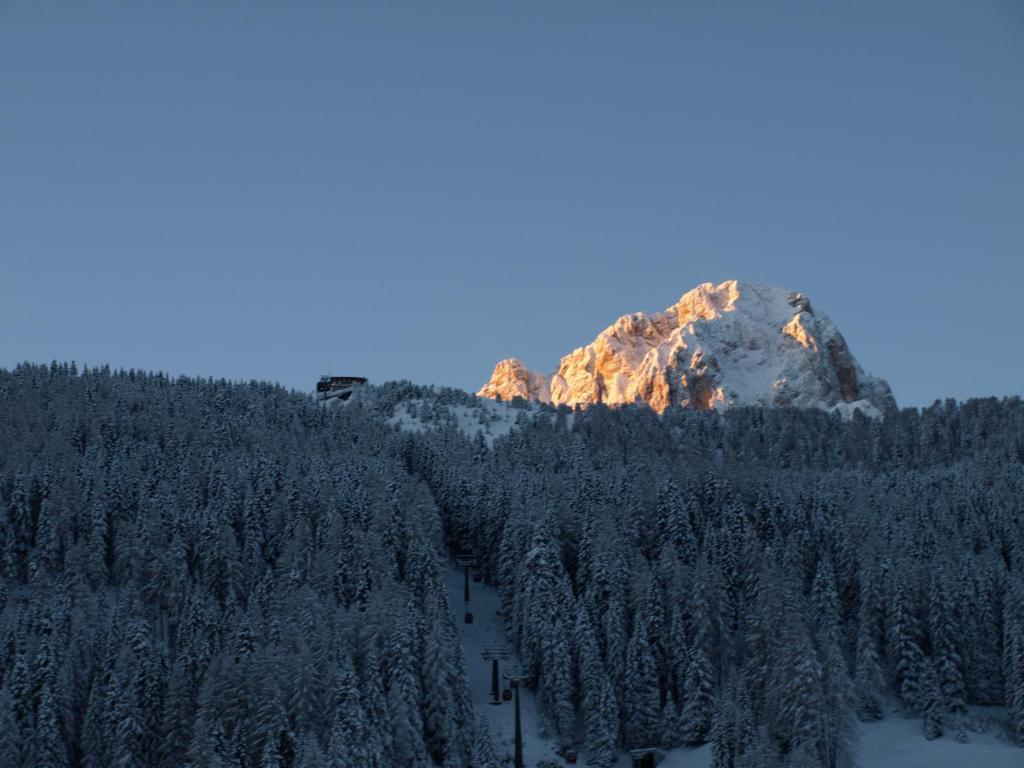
<point>488,629</point>
<point>895,742</point>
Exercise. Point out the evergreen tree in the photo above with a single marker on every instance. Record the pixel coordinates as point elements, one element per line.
<point>840,733</point>
<point>47,746</point>
<point>642,690</point>
<point>869,680</point>
<point>483,749</point>
<point>1013,655</point>
<point>904,647</point>
<point>438,702</point>
<point>598,705</point>
<point>207,746</point>
<point>10,732</point>
<point>348,731</point>
<point>311,755</point>
<point>945,651</point>
<point>176,718</point>
<point>698,704</point>
<point>378,739</point>
<point>668,725</point>
<point>723,737</point>
<point>129,734</point>
<point>803,712</point>
<point>932,700</point>
<point>404,697</point>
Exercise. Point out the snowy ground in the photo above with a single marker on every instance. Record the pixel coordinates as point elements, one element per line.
<point>491,418</point>
<point>895,742</point>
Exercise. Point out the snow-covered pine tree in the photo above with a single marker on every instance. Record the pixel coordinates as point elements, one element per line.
<point>447,713</point>
<point>722,735</point>
<point>483,749</point>
<point>946,642</point>
<point>869,680</point>
<point>311,754</point>
<point>945,648</point>
<point>349,727</point>
<point>47,746</point>
<point>698,701</point>
<point>802,715</point>
<point>1013,665</point>
<point>10,732</point>
<point>597,699</point>
<point>668,725</point>
<point>904,649</point>
<point>547,622</point>
<point>404,697</point>
<point>643,705</point>
<point>840,732</point>
<point>129,733</point>
<point>378,735</point>
<point>677,651</point>
<point>931,700</point>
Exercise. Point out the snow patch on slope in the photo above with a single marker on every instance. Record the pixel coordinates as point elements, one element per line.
<point>898,742</point>
<point>846,410</point>
<point>490,418</point>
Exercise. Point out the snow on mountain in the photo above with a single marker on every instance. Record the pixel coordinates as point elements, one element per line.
<point>718,346</point>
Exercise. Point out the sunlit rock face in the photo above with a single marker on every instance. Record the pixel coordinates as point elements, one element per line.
<point>718,346</point>
<point>511,380</point>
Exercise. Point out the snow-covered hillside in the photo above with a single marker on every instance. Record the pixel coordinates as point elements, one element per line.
<point>718,346</point>
<point>895,742</point>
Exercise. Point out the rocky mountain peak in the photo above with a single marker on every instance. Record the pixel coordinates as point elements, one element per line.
<point>718,346</point>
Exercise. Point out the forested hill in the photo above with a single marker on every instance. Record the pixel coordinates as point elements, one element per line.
<point>760,579</point>
<point>213,574</point>
<point>210,574</point>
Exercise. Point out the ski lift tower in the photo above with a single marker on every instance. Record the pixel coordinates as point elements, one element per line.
<point>494,652</point>
<point>466,559</point>
<point>516,679</point>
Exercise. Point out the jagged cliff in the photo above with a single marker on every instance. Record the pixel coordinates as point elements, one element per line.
<point>718,346</point>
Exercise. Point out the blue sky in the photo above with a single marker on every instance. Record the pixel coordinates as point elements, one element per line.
<point>416,190</point>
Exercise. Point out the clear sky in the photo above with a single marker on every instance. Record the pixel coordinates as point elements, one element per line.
<point>417,190</point>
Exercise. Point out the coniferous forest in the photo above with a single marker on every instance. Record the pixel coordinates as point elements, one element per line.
<point>214,574</point>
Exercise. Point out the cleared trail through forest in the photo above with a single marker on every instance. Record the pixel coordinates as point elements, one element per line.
<point>488,629</point>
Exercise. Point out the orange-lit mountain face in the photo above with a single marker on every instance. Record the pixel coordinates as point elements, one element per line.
<point>718,346</point>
